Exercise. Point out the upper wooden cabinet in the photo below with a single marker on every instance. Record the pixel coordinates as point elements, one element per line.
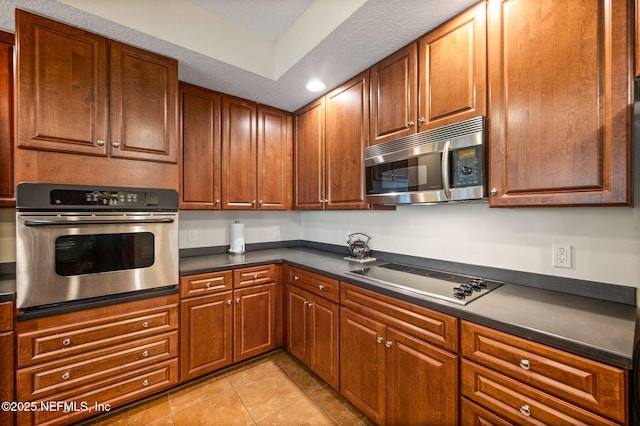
<point>200,136</point>
<point>439,80</point>
<point>7,185</point>
<point>256,156</point>
<point>331,134</point>
<point>452,64</point>
<point>80,93</point>
<point>560,107</point>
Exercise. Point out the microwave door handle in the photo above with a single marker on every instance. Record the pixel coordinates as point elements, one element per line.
<point>446,185</point>
<point>94,222</point>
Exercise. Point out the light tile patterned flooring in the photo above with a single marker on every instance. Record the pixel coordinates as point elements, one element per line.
<point>272,390</point>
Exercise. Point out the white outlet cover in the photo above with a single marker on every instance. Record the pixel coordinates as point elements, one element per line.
<point>561,255</point>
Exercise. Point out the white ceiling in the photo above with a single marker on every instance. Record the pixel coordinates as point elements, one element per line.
<point>264,50</point>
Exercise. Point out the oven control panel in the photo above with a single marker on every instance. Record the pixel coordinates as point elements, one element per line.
<point>71,197</point>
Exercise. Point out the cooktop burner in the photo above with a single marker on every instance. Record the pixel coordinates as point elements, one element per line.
<point>460,289</point>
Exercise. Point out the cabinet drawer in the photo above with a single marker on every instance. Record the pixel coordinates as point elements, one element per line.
<point>202,284</point>
<point>58,376</point>
<point>6,316</point>
<point>430,326</point>
<point>472,414</point>
<point>255,275</point>
<point>520,403</point>
<point>115,391</point>
<point>92,329</point>
<point>589,384</point>
<point>314,283</point>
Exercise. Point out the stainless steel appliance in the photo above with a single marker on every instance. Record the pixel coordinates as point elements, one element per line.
<point>438,165</point>
<point>456,288</point>
<point>82,242</point>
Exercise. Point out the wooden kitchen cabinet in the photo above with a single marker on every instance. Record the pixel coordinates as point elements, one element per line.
<point>256,156</point>
<point>560,110</point>
<point>7,183</point>
<point>541,381</point>
<point>390,366</point>
<point>80,93</point>
<point>200,112</point>
<point>452,70</point>
<point>6,360</point>
<point>331,134</point>
<point>108,355</point>
<point>254,321</point>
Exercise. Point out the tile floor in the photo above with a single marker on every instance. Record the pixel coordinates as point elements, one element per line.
<point>275,389</point>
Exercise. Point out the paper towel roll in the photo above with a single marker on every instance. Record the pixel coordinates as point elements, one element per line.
<point>236,238</point>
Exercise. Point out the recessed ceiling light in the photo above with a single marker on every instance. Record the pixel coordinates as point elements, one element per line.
<point>315,86</point>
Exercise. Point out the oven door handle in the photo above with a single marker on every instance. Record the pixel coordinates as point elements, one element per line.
<point>95,222</point>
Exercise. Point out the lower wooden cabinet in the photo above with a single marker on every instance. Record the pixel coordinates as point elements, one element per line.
<point>6,360</point>
<point>254,321</point>
<point>89,361</point>
<point>312,333</point>
<point>388,372</point>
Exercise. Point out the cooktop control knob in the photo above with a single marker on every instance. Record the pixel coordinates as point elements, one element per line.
<point>458,293</point>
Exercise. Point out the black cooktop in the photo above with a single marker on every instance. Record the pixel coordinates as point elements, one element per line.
<point>456,288</point>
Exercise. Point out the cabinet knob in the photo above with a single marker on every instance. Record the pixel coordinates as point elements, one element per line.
<point>253,203</point>
<point>321,287</point>
<point>100,142</point>
<point>145,354</point>
<point>145,382</point>
<point>216,202</point>
<point>493,192</point>
<point>306,303</point>
<point>379,339</point>
<point>66,342</point>
<point>255,277</point>
<point>297,278</point>
<point>388,343</point>
<point>229,302</point>
<point>524,363</point>
<point>421,121</point>
<point>208,284</point>
<point>66,376</point>
<point>145,324</point>
<point>116,144</point>
<point>260,203</point>
<point>309,305</point>
<point>411,123</point>
<point>238,300</point>
<point>525,410</point>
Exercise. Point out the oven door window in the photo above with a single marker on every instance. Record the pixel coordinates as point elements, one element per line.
<point>90,254</point>
<point>415,174</point>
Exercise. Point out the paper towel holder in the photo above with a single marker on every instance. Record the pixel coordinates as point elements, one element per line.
<point>232,231</point>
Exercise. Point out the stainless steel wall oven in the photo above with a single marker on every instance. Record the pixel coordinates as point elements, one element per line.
<point>83,242</point>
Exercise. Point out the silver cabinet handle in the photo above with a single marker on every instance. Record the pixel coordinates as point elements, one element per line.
<point>524,363</point>
<point>493,192</point>
<point>388,343</point>
<point>100,142</point>
<point>238,300</point>
<point>379,339</point>
<point>253,203</point>
<point>208,284</point>
<point>306,303</point>
<point>66,342</point>
<point>145,354</point>
<point>411,123</point>
<point>216,202</point>
<point>297,278</point>
<point>145,324</point>
<point>145,382</point>
<point>255,277</point>
<point>421,121</point>
<point>321,287</point>
<point>229,302</point>
<point>260,203</point>
<point>66,376</point>
<point>116,144</point>
<point>309,305</point>
<point>525,410</point>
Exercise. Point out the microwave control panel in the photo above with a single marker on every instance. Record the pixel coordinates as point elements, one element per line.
<point>467,166</point>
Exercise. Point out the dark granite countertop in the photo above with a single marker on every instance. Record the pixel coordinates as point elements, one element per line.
<point>597,329</point>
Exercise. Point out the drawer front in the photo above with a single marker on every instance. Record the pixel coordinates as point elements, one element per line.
<point>519,403</point>
<point>430,326</point>
<point>256,275</point>
<point>69,407</point>
<point>314,283</point>
<point>58,376</point>
<point>59,342</point>
<point>202,284</point>
<point>472,414</point>
<point>590,384</point>
<point>6,316</point>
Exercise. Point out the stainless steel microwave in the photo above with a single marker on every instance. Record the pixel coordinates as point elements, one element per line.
<point>438,165</point>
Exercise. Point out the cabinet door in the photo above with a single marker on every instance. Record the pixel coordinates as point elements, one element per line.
<point>362,364</point>
<point>453,70</point>
<point>309,157</point>
<point>239,155</point>
<point>347,134</point>
<point>6,375</point>
<point>7,196</point>
<point>144,105</point>
<point>275,159</point>
<point>394,90</point>
<point>323,334</point>
<point>254,321</point>
<point>200,137</point>
<point>205,334</point>
<point>62,87</point>
<point>422,382</point>
<point>297,323</point>
<point>560,104</point>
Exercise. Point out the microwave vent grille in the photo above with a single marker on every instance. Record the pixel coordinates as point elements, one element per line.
<point>440,134</point>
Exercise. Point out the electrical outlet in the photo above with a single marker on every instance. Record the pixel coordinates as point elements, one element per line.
<point>561,256</point>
